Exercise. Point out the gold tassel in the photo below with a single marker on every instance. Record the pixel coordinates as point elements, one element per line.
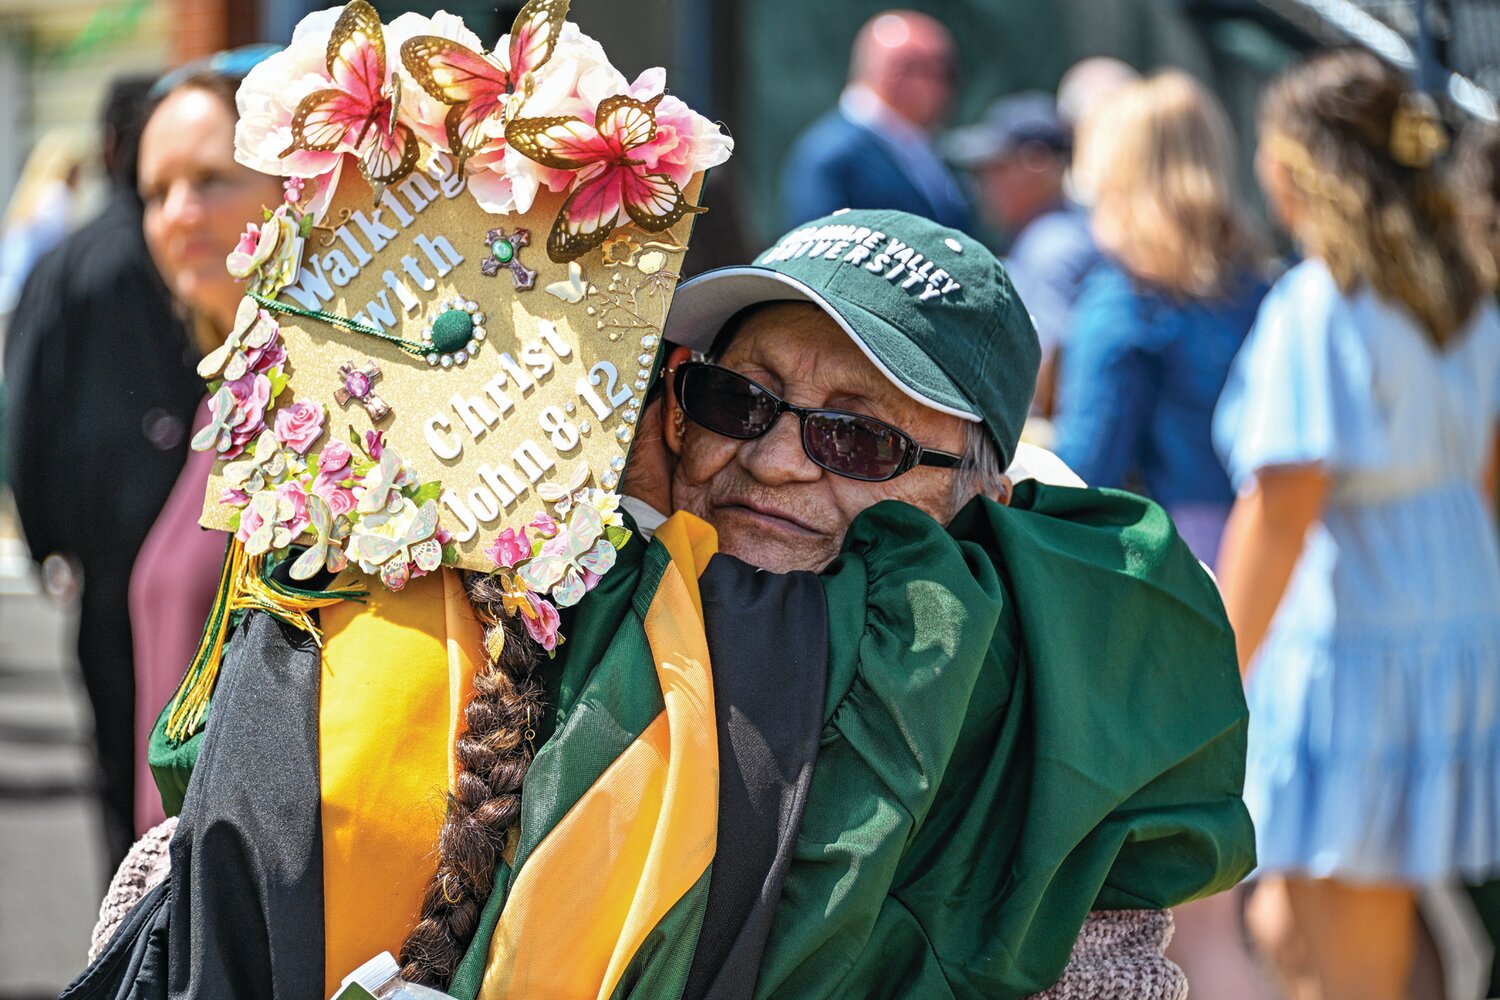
<point>243,586</point>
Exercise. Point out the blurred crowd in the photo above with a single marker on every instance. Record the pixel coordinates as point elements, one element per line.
<point>1319,423</point>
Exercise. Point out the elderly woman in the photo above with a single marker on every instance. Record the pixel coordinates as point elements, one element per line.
<point>912,773</point>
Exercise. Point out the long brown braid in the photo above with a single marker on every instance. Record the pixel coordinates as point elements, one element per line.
<point>492,757</point>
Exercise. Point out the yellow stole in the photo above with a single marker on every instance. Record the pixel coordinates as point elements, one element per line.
<point>397,673</point>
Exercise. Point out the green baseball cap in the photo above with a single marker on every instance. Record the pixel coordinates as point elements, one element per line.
<point>930,307</point>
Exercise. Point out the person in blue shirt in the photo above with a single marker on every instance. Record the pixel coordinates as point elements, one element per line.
<point>1018,155</point>
<point>875,148</point>
<point>1159,321</point>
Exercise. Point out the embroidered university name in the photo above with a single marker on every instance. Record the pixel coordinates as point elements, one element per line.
<point>871,249</point>
<point>323,273</point>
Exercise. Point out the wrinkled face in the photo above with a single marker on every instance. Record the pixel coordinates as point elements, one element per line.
<point>771,505</point>
<point>198,199</point>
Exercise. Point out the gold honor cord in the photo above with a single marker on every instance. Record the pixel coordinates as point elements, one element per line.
<point>243,586</point>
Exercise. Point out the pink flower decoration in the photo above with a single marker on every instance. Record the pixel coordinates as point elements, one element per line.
<point>294,492</point>
<point>509,548</point>
<point>333,468</point>
<point>299,425</point>
<point>236,497</point>
<point>250,522</point>
<point>334,459</point>
<point>543,627</point>
<point>264,358</point>
<point>248,240</point>
<point>556,545</point>
<point>375,443</point>
<point>443,535</point>
<point>544,524</point>
<point>339,499</point>
<point>252,394</point>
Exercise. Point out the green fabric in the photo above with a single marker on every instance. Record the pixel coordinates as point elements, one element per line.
<point>661,964</point>
<point>604,688</point>
<point>171,763</point>
<point>1032,714</point>
<point>603,692</point>
<point>470,973</point>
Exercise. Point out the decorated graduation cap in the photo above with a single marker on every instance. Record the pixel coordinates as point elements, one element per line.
<point>451,320</point>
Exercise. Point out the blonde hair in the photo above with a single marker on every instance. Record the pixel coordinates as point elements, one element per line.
<point>57,157</point>
<point>1373,220</point>
<point>1163,182</point>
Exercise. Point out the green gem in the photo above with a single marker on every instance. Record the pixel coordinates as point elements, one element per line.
<point>451,331</point>
<point>502,251</point>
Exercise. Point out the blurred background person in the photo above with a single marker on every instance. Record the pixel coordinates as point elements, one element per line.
<point>41,208</point>
<point>1476,175</point>
<point>1476,166</point>
<point>100,391</point>
<point>1360,567</point>
<point>1018,156</point>
<point>198,200</point>
<point>1083,88</point>
<point>1159,321</point>
<point>875,149</point>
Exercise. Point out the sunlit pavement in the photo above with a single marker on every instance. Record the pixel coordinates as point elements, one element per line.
<point>51,858</point>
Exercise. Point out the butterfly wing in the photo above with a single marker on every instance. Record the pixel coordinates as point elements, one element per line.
<point>533,35</point>
<point>423,525</point>
<point>262,539</point>
<point>380,483</point>
<point>588,215</point>
<point>390,153</point>
<point>653,201</point>
<point>584,526</point>
<point>356,54</point>
<point>555,491</point>
<point>600,559</point>
<point>220,408</point>
<point>473,83</point>
<point>627,121</point>
<point>427,555</point>
<point>541,573</point>
<point>570,589</point>
<point>214,361</point>
<point>320,522</point>
<point>374,549</point>
<point>563,143</point>
<point>574,288</point>
<point>325,120</point>
<point>395,574</point>
<point>259,333</point>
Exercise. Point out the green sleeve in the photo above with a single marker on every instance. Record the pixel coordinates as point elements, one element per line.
<point>1032,714</point>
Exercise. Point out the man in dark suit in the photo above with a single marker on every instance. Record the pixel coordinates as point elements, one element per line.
<point>101,392</point>
<point>875,149</point>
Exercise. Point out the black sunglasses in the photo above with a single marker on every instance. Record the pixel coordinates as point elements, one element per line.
<point>846,444</point>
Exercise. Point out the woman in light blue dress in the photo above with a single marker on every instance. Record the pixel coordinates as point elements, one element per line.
<point>1360,565</point>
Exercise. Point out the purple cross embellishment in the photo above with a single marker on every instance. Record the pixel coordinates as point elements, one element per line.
<point>359,385</point>
<point>505,252</point>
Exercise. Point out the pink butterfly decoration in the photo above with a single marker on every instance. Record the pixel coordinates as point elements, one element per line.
<point>611,183</point>
<point>359,111</point>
